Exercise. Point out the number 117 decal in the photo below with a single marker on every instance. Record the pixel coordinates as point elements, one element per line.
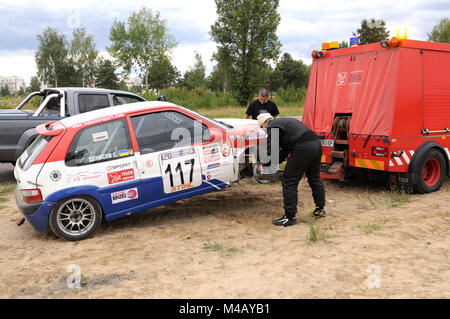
<point>180,170</point>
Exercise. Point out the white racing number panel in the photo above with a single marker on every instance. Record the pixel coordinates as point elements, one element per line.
<point>180,170</point>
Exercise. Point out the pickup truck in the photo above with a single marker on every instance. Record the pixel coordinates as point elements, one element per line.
<point>17,127</point>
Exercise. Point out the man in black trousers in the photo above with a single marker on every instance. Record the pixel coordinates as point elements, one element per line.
<point>305,150</point>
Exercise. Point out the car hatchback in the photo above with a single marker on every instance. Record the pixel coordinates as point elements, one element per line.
<point>116,162</point>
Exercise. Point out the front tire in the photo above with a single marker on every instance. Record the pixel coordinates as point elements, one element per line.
<point>430,172</point>
<point>75,218</point>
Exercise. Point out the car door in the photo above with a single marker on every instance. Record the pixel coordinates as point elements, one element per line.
<point>173,147</point>
<point>102,156</point>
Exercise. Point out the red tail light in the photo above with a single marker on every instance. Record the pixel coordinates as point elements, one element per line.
<point>380,151</point>
<point>31,196</point>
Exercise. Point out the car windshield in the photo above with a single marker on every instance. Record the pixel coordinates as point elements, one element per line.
<point>33,151</point>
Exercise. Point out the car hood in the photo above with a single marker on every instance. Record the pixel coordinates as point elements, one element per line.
<point>244,130</point>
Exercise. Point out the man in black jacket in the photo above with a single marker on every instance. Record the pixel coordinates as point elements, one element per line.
<point>305,151</point>
<point>262,105</point>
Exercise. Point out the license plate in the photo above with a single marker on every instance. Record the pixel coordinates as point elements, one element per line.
<point>327,143</point>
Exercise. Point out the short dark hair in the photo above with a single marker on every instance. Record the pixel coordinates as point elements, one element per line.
<point>264,92</point>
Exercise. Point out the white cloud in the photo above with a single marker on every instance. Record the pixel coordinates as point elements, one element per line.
<point>20,63</point>
<point>304,24</point>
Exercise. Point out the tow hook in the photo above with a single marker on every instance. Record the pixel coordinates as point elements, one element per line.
<point>21,221</point>
<point>397,155</point>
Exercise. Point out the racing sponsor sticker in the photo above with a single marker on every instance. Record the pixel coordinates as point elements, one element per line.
<point>55,176</point>
<point>213,158</point>
<point>123,196</point>
<point>102,157</point>
<point>121,176</point>
<point>110,168</point>
<point>100,136</point>
<point>123,153</point>
<point>83,176</point>
<point>211,153</point>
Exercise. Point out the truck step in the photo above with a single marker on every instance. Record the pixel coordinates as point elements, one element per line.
<point>338,154</point>
<point>341,142</point>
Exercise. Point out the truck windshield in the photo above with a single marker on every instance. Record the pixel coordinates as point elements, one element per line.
<point>33,151</point>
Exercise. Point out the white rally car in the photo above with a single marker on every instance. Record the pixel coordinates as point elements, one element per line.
<point>122,160</point>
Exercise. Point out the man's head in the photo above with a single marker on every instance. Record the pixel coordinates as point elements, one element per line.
<point>264,119</point>
<point>263,96</point>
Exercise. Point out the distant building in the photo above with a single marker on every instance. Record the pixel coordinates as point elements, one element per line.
<point>130,82</point>
<point>14,83</point>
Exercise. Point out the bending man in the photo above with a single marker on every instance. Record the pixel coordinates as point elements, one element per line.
<point>305,150</point>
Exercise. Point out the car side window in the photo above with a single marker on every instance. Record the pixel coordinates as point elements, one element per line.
<point>159,131</point>
<point>125,99</point>
<point>100,143</point>
<point>91,102</point>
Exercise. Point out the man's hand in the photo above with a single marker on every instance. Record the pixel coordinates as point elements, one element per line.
<point>259,169</point>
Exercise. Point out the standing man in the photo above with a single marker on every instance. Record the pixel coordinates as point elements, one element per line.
<point>305,150</point>
<point>262,105</point>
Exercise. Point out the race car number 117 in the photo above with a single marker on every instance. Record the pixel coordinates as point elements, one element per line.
<point>180,170</point>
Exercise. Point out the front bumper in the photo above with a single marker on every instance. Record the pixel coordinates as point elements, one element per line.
<point>36,214</point>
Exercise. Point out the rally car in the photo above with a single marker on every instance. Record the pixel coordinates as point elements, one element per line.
<point>115,162</point>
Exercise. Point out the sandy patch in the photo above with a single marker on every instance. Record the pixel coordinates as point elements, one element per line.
<point>223,245</point>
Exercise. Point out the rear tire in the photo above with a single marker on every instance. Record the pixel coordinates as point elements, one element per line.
<point>430,172</point>
<point>75,218</point>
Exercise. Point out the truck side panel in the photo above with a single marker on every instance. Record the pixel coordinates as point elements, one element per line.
<point>436,99</point>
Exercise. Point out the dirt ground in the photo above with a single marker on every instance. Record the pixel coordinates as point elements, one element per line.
<point>374,244</point>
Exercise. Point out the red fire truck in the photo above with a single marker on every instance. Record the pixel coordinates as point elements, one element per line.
<point>383,107</point>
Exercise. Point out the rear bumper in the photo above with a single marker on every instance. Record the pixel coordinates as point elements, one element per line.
<point>35,214</point>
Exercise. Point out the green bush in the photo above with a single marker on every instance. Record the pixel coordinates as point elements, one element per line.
<point>290,96</point>
<point>194,99</point>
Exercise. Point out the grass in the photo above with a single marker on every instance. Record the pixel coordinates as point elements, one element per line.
<point>239,111</point>
<point>396,197</point>
<point>6,189</point>
<point>317,232</point>
<point>11,102</point>
<point>223,251</point>
<point>2,200</point>
<point>370,227</point>
<point>366,202</point>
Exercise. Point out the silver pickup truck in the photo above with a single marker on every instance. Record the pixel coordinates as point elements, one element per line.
<point>17,127</point>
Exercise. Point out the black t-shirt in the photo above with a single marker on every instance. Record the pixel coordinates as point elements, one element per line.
<point>255,108</point>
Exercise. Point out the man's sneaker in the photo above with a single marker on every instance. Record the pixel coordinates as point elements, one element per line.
<point>319,213</point>
<point>284,221</point>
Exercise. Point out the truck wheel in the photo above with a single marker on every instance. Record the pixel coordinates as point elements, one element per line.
<point>430,172</point>
<point>75,218</point>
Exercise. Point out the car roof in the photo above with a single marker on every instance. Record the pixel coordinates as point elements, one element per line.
<point>112,111</point>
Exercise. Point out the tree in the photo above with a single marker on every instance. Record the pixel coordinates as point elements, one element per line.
<point>162,74</point>
<point>83,56</point>
<point>140,42</point>
<point>294,72</point>
<point>4,91</point>
<point>52,57</point>
<point>35,84</point>
<point>106,76</point>
<point>195,77</point>
<point>371,31</point>
<point>343,44</point>
<point>245,33</point>
<point>440,32</point>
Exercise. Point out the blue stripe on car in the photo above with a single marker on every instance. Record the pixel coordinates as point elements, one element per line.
<point>151,194</point>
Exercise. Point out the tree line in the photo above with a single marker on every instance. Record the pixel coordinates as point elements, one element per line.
<point>248,54</point>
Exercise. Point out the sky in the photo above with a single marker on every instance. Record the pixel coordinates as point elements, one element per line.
<point>304,25</point>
